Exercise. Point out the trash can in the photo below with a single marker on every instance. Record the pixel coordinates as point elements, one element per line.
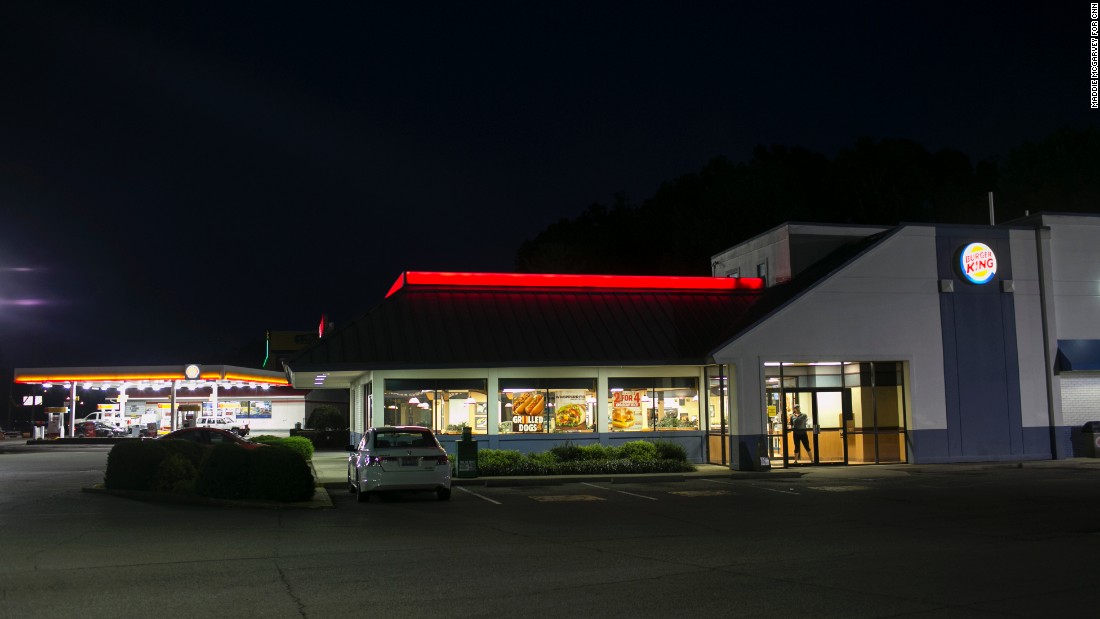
<point>1091,433</point>
<point>467,455</point>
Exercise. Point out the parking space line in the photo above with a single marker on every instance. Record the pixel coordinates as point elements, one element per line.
<point>777,490</point>
<point>641,496</point>
<point>480,496</point>
<point>698,493</point>
<point>718,481</point>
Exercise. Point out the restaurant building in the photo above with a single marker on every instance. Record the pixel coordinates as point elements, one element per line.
<point>916,343</point>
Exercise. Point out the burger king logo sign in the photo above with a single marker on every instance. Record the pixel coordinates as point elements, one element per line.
<point>977,263</point>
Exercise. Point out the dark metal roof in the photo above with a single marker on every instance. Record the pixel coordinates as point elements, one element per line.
<point>455,327</point>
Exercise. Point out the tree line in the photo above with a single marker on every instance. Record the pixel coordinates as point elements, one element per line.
<point>886,182</point>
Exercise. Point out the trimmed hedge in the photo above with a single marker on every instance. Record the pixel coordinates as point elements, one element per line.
<point>133,465</point>
<point>176,474</point>
<point>280,474</point>
<point>300,444</point>
<point>274,473</point>
<point>595,459</point>
<point>224,473</point>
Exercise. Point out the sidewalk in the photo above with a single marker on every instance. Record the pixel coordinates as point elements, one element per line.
<point>331,468</point>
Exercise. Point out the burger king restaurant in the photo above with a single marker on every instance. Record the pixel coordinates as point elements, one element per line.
<point>918,343</point>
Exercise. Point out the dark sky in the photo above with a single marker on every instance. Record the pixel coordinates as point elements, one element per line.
<point>177,178</point>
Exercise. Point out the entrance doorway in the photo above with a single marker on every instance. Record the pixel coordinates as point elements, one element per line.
<point>717,420</point>
<point>854,412</point>
<point>823,413</point>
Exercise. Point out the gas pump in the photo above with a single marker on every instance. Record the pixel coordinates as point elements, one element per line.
<point>55,421</point>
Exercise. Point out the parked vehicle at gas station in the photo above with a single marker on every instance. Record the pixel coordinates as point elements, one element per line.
<point>113,418</point>
<point>209,436</point>
<point>98,429</point>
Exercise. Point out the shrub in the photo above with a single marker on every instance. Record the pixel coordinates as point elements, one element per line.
<point>495,461</point>
<point>175,473</point>
<point>567,452</point>
<point>303,446</point>
<point>546,458</point>
<point>598,452</point>
<point>279,474</point>
<point>327,417</point>
<point>300,444</point>
<point>224,473</point>
<point>667,450</point>
<point>638,451</point>
<point>568,459</point>
<point>133,465</point>
<point>189,450</point>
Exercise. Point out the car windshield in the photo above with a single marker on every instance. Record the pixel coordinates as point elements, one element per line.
<point>404,439</point>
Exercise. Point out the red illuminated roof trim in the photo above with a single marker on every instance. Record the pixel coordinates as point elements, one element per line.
<point>547,280</point>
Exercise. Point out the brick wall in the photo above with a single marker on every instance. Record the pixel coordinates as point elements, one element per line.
<point>1080,398</point>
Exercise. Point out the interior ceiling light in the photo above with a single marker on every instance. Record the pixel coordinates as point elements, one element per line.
<point>414,400</point>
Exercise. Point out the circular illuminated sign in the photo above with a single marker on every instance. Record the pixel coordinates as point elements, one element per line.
<point>977,263</point>
<point>192,371</point>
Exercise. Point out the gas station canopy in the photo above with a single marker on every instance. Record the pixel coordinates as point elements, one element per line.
<point>152,377</point>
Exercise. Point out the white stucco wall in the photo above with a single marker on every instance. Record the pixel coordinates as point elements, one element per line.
<point>1033,361</point>
<point>771,248</point>
<point>884,306</point>
<point>1075,264</point>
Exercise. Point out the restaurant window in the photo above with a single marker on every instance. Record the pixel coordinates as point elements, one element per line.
<point>646,404</point>
<point>533,406</point>
<point>447,406</point>
<point>254,409</point>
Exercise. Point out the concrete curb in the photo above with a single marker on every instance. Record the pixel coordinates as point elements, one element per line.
<point>320,500</point>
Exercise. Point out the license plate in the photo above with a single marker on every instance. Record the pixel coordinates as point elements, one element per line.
<point>410,461</point>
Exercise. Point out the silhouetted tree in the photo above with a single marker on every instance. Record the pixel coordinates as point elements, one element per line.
<point>694,216</point>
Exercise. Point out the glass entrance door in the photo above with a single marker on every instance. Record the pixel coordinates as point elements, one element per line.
<point>829,445</point>
<point>717,428</point>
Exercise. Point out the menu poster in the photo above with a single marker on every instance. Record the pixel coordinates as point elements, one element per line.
<point>626,409</point>
<point>571,409</point>
<point>627,399</point>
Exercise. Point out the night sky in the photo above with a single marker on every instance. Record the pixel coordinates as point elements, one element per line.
<point>175,179</point>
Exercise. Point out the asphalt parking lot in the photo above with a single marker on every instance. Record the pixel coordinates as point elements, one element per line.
<point>981,540</point>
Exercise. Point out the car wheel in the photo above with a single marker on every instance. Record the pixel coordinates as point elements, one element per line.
<point>360,496</point>
<point>443,494</point>
<point>351,485</point>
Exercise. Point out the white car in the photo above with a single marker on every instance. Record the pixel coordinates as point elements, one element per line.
<point>225,423</point>
<point>398,458</point>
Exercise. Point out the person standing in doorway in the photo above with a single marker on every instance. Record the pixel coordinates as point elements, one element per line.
<point>798,426</point>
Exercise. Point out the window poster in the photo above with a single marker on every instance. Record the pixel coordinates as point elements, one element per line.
<point>626,409</point>
<point>258,409</point>
<point>527,411</point>
<point>571,409</point>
